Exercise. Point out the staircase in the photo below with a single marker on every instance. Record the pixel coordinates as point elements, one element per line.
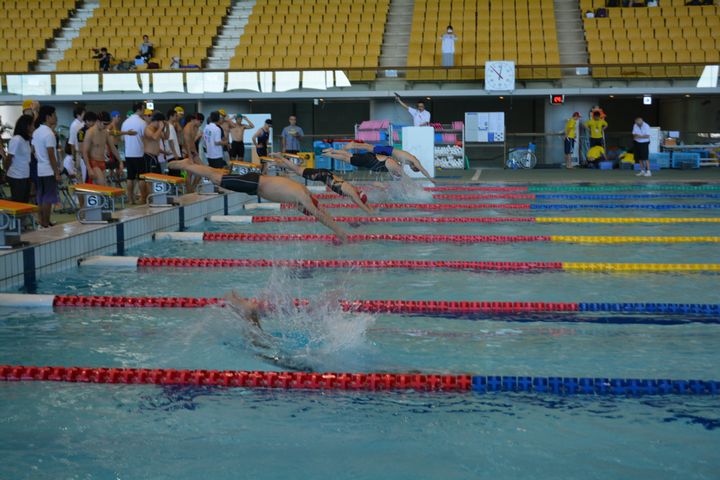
<point>71,30</point>
<point>397,34</point>
<point>571,34</point>
<point>230,33</point>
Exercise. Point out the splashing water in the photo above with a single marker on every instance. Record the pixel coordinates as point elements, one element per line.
<point>404,189</point>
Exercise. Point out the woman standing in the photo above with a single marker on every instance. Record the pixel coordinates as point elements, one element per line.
<point>17,162</point>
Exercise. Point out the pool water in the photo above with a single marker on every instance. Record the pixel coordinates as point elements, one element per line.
<point>107,431</point>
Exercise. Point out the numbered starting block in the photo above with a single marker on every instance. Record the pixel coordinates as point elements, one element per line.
<point>11,216</point>
<point>98,202</point>
<point>241,168</point>
<point>164,188</point>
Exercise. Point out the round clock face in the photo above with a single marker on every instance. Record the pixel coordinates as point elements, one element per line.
<point>499,76</point>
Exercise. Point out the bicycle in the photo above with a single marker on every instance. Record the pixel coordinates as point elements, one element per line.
<point>522,157</point>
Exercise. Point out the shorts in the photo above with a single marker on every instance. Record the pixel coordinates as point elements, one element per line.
<point>640,150</point>
<point>247,183</point>
<point>217,162</point>
<point>596,142</point>
<point>569,145</point>
<point>383,150</point>
<point>237,150</point>
<point>19,189</point>
<point>112,162</point>
<point>368,161</point>
<point>136,166</point>
<point>98,164</point>
<point>46,189</point>
<point>262,151</point>
<point>153,163</point>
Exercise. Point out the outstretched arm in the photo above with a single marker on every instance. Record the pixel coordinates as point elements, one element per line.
<point>287,164</point>
<point>341,155</point>
<point>359,146</point>
<point>399,100</point>
<point>418,166</point>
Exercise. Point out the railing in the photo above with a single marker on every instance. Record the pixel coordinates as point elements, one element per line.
<point>283,80</point>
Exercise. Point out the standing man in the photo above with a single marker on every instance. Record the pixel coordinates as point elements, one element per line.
<point>215,142</point>
<point>641,146</point>
<point>570,135</point>
<point>597,126</point>
<point>261,139</point>
<point>134,152</point>
<point>448,47</point>
<point>75,126</point>
<point>191,135</point>
<point>421,117</point>
<point>291,136</point>
<point>97,143</point>
<point>44,143</point>
<point>171,145</point>
<point>155,133</point>
<point>237,134</point>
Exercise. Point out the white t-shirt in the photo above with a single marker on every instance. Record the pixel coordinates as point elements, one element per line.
<point>643,129</point>
<point>20,149</point>
<point>134,143</point>
<point>75,127</point>
<point>419,118</point>
<point>42,139</point>
<point>448,43</point>
<point>212,135</point>
<point>175,145</point>
<point>69,166</point>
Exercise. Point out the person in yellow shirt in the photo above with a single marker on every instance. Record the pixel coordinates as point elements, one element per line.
<point>595,155</point>
<point>570,134</point>
<point>597,126</point>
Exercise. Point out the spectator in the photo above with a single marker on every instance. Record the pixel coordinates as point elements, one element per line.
<point>146,49</point>
<point>261,139</point>
<point>291,136</point>
<point>215,142</point>
<point>641,144</point>
<point>134,152</point>
<point>597,127</point>
<point>17,160</point>
<point>570,134</point>
<point>44,143</point>
<point>448,47</point>
<point>103,58</point>
<point>421,117</point>
<point>237,135</point>
<point>589,14</point>
<point>595,155</point>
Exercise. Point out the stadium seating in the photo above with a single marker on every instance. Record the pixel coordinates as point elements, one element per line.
<point>653,41</point>
<point>27,26</point>
<point>182,28</point>
<point>302,34</point>
<point>520,30</point>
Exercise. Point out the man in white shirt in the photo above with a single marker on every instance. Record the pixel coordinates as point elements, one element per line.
<point>134,152</point>
<point>214,141</point>
<point>641,144</point>
<point>421,117</point>
<point>448,47</point>
<point>75,127</point>
<point>44,143</point>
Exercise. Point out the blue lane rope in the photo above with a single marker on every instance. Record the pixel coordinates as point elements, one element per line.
<point>627,196</point>
<point>669,308</point>
<point>576,206</point>
<point>594,386</point>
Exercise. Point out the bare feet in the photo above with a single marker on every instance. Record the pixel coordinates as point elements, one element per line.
<point>179,164</point>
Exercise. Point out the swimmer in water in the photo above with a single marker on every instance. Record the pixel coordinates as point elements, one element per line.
<point>252,312</point>
<point>400,156</point>
<point>335,183</point>
<point>274,189</point>
<point>368,161</point>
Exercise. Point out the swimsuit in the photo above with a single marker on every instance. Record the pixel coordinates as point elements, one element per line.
<point>368,161</point>
<point>247,183</point>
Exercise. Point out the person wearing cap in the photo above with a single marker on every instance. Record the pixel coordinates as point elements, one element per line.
<point>215,142</point>
<point>261,139</point>
<point>179,127</point>
<point>237,134</point>
<point>31,107</point>
<point>570,136</point>
<point>135,152</point>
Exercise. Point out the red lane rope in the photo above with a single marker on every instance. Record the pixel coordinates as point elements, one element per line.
<point>394,237</point>
<point>484,196</point>
<point>476,189</point>
<point>365,306</point>
<point>369,264</point>
<point>427,206</point>
<point>230,378</point>
<point>279,219</point>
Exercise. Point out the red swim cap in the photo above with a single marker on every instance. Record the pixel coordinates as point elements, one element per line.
<point>363,197</point>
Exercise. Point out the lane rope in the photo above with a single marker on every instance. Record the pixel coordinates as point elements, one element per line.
<point>558,196</point>
<point>360,381</point>
<point>498,206</point>
<point>355,219</point>
<point>572,188</point>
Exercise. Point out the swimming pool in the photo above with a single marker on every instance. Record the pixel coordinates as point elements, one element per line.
<point>98,431</point>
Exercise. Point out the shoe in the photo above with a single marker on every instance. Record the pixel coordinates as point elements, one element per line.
<point>648,174</point>
<point>641,173</point>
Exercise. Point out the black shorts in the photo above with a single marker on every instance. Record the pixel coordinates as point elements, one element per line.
<point>262,151</point>
<point>46,190</point>
<point>596,142</point>
<point>569,145</point>
<point>247,183</point>
<point>20,189</point>
<point>152,162</point>
<point>641,150</point>
<point>368,161</point>
<point>237,150</point>
<point>136,166</point>
<point>217,162</point>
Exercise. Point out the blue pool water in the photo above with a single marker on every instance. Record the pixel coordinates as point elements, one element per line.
<point>101,431</point>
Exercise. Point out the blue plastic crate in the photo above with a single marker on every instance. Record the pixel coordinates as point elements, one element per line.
<point>323,162</point>
<point>685,160</point>
<point>343,167</point>
<point>606,165</point>
<point>319,146</point>
<point>661,158</point>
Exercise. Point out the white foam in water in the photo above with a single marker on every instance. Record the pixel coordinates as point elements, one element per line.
<point>403,190</point>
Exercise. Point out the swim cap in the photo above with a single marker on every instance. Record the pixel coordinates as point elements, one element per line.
<point>147,112</point>
<point>27,104</point>
<point>363,197</point>
<point>222,112</point>
<point>115,113</point>
<point>180,110</point>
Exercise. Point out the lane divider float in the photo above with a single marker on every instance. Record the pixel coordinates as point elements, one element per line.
<point>360,381</point>
<point>489,206</point>
<point>558,196</point>
<point>572,188</point>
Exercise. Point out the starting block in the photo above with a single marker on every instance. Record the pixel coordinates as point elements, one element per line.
<point>241,168</point>
<point>98,202</point>
<point>11,215</point>
<point>164,188</point>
